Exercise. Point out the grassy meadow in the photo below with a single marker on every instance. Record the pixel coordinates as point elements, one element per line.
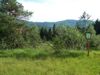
<point>45,62</point>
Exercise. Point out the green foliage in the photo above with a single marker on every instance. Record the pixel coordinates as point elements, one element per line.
<point>69,38</point>
<point>84,22</point>
<point>14,33</point>
<point>91,30</point>
<point>97,26</point>
<point>47,34</point>
<point>44,34</point>
<point>13,8</point>
<point>31,36</point>
<point>95,42</point>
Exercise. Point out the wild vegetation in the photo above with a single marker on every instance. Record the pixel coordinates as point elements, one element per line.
<point>57,50</point>
<point>44,62</point>
<point>15,33</point>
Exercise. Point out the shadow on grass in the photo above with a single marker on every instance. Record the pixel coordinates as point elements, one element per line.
<point>68,54</point>
<point>42,55</point>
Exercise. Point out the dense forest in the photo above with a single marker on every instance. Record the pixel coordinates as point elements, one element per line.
<point>15,33</point>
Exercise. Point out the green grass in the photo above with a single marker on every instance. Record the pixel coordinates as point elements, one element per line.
<point>44,62</point>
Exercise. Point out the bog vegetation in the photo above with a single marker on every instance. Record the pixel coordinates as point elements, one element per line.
<point>41,61</point>
<point>50,49</point>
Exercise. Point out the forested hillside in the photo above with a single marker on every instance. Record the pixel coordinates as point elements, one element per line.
<point>70,23</point>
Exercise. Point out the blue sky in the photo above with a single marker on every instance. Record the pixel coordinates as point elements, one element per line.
<point>57,10</point>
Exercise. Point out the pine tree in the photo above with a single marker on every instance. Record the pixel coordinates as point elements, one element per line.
<point>11,25</point>
<point>97,26</point>
<point>54,30</point>
<point>13,8</point>
<point>83,23</point>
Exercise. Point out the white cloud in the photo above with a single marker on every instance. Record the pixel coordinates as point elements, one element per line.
<point>55,10</point>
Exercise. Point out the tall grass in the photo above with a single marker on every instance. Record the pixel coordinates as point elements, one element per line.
<point>43,62</point>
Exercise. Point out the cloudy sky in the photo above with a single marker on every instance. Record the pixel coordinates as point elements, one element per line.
<point>57,10</point>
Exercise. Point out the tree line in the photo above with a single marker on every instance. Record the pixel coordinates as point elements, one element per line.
<point>15,33</point>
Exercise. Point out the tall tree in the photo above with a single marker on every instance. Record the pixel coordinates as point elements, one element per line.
<point>54,30</point>
<point>13,8</point>
<point>11,25</point>
<point>83,23</point>
<point>97,26</point>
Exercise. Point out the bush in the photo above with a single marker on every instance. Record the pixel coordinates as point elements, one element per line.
<point>69,38</point>
<point>16,34</point>
<point>95,42</point>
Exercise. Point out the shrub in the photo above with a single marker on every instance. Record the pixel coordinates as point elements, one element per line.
<point>95,42</point>
<point>69,38</point>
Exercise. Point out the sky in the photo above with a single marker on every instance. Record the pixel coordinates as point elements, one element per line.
<point>57,10</point>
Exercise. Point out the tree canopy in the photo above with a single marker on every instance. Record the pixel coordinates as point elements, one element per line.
<point>13,8</point>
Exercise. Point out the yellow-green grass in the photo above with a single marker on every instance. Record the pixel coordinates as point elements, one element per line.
<point>42,62</point>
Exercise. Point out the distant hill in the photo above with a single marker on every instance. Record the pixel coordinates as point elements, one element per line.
<point>50,24</point>
<point>67,22</point>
